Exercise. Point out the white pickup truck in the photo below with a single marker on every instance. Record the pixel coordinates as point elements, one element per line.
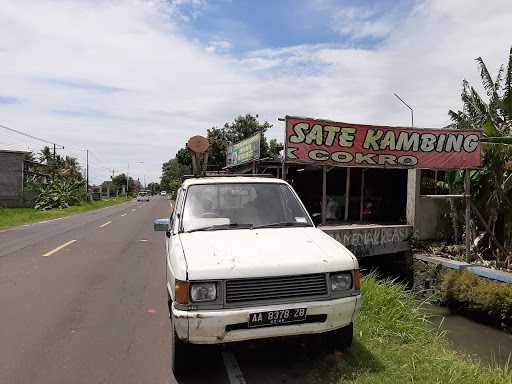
<point>245,261</point>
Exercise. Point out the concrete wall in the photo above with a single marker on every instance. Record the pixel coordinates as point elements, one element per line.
<point>371,239</point>
<point>423,213</point>
<point>11,179</point>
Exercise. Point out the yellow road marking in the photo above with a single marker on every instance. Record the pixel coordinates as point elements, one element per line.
<point>49,253</point>
<point>104,225</point>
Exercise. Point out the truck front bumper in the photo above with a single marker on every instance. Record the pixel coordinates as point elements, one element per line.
<point>222,326</point>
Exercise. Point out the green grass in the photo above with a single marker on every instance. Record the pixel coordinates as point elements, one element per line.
<point>10,217</point>
<point>394,343</point>
<point>479,295</point>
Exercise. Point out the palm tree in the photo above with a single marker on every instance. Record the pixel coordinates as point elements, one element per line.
<point>494,118</point>
<point>70,168</point>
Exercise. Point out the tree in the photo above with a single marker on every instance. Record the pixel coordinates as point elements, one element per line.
<point>63,166</point>
<point>119,181</point>
<point>217,147</point>
<point>29,156</point>
<point>274,148</point>
<point>154,188</point>
<point>69,167</point>
<point>241,128</point>
<point>172,172</point>
<point>184,157</point>
<point>493,183</point>
<point>46,156</point>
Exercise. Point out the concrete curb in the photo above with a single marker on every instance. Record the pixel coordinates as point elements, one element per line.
<point>488,273</point>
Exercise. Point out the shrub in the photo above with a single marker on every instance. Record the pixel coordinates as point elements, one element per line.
<point>478,294</point>
<point>60,193</point>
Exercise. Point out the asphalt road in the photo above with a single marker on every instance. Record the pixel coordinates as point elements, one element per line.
<point>94,309</point>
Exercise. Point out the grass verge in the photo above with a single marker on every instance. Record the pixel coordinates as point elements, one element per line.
<point>478,295</point>
<point>11,217</point>
<point>394,344</point>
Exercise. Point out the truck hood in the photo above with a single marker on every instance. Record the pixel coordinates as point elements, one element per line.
<point>243,253</point>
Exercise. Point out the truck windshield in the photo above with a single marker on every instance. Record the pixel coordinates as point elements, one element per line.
<point>241,205</point>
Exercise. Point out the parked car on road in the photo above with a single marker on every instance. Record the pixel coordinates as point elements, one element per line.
<point>245,261</point>
<point>163,193</point>
<point>143,196</point>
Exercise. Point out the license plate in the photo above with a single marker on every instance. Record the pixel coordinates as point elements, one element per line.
<point>282,316</point>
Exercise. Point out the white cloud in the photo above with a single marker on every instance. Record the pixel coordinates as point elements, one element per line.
<point>121,78</point>
<point>359,22</point>
<point>219,46</point>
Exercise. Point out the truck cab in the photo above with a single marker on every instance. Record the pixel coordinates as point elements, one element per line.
<point>245,261</point>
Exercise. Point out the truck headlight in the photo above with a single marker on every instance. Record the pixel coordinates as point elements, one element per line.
<point>200,292</point>
<point>341,281</point>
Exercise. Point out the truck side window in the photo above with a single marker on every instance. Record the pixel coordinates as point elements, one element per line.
<point>177,208</point>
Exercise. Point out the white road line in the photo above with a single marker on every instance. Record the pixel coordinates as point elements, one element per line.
<point>55,250</point>
<point>133,210</point>
<point>104,225</point>
<point>124,214</point>
<point>233,370</point>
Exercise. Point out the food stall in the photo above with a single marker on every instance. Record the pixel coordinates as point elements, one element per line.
<point>362,182</point>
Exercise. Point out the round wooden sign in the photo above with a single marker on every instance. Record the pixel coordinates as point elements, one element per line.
<point>198,144</point>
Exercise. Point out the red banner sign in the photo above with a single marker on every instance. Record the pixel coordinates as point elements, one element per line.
<point>356,145</point>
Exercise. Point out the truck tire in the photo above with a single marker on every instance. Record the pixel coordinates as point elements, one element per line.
<point>178,352</point>
<point>340,339</point>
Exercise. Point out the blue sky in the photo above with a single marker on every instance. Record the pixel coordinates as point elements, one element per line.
<point>249,25</point>
<point>132,80</point>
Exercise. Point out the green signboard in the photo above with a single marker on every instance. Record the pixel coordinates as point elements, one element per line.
<point>244,151</point>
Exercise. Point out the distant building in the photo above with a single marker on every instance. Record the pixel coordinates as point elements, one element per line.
<point>15,171</point>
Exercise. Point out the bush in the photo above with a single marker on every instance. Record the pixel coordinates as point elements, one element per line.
<point>478,294</point>
<point>60,193</point>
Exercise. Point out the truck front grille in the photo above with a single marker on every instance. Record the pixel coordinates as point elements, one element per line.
<point>276,288</point>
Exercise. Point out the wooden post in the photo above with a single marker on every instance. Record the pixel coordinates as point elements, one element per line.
<point>467,199</point>
<point>324,193</point>
<point>347,193</point>
<point>361,204</point>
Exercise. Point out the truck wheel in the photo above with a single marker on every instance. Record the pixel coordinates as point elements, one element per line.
<point>340,339</point>
<point>178,352</point>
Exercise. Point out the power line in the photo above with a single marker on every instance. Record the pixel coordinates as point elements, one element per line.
<point>58,146</point>
<point>31,136</point>
<point>98,160</point>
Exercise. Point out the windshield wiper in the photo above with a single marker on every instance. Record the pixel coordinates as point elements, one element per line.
<point>222,226</point>
<point>283,224</point>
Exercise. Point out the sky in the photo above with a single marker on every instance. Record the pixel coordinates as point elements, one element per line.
<point>132,80</point>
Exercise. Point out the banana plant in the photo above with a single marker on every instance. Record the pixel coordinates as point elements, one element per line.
<point>493,182</point>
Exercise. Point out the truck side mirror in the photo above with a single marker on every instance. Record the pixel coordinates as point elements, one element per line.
<point>317,218</point>
<point>161,225</point>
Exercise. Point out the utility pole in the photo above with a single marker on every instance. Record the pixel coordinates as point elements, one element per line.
<point>128,171</point>
<point>408,106</point>
<point>141,162</point>
<point>87,177</point>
